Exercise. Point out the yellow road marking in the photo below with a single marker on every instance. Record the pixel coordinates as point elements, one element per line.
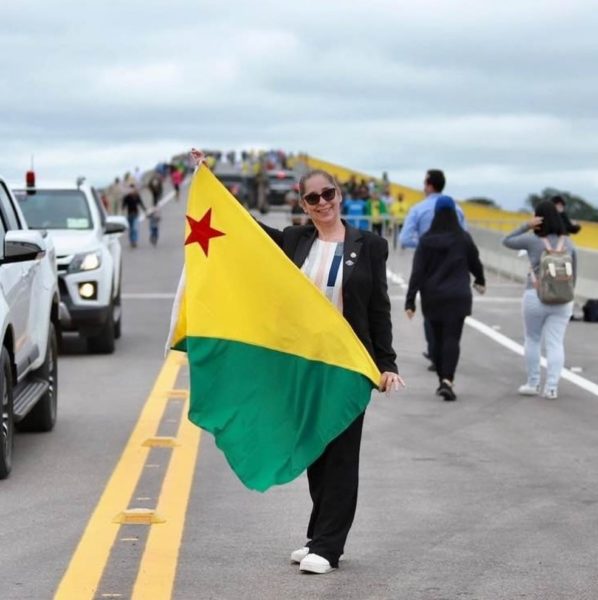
<point>87,564</point>
<point>157,570</point>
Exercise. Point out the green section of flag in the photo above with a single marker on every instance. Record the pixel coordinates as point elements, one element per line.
<point>271,413</point>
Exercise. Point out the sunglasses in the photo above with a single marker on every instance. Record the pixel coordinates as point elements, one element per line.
<point>328,194</point>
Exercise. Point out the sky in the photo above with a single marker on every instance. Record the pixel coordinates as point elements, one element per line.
<point>500,95</point>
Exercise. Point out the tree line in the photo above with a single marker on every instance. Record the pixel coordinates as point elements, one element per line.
<point>577,207</point>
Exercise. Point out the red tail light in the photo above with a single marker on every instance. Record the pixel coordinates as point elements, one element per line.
<point>30,179</point>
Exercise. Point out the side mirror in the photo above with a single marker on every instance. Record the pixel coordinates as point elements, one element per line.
<point>115,224</point>
<point>21,246</point>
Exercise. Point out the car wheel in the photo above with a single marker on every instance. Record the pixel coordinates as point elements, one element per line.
<point>103,342</point>
<point>7,428</point>
<point>43,415</point>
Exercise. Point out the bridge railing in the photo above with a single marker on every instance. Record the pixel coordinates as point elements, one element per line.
<point>510,263</point>
<point>516,265</point>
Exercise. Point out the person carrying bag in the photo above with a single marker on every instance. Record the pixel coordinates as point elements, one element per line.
<point>548,296</point>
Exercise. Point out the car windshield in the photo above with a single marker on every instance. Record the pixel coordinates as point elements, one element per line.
<point>55,209</point>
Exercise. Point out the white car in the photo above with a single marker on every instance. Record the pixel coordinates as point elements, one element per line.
<point>29,304</point>
<point>89,257</point>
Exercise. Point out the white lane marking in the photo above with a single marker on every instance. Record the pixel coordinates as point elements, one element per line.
<point>148,296</point>
<point>512,345</point>
<point>503,340</point>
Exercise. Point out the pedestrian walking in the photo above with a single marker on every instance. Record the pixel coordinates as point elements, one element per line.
<point>176,178</point>
<point>547,304</point>
<point>154,218</point>
<point>131,204</point>
<point>398,211</point>
<point>155,188</point>
<point>114,195</point>
<point>376,209</point>
<point>348,266</point>
<point>354,208</point>
<point>443,261</point>
<point>417,222</point>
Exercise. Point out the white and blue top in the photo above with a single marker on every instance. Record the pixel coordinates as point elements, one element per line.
<point>324,266</point>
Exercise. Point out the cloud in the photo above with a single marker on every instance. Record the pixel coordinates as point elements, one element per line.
<point>500,95</point>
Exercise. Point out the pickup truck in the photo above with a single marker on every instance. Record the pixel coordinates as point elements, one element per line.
<point>29,305</point>
<point>88,254</point>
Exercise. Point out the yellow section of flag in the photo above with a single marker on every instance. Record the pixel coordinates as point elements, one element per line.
<point>239,285</point>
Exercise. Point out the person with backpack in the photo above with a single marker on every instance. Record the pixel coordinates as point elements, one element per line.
<point>548,296</point>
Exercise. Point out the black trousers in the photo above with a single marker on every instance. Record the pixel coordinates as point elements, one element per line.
<point>447,340</point>
<point>429,333</point>
<point>333,481</point>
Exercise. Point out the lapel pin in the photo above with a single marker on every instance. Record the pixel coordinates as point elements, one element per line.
<point>349,263</point>
<point>353,255</point>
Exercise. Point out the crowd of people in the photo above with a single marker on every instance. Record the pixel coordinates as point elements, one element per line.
<point>366,204</point>
<point>124,196</point>
<point>343,221</point>
<point>335,249</point>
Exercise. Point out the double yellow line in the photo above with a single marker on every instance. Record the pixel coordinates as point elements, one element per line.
<point>155,577</point>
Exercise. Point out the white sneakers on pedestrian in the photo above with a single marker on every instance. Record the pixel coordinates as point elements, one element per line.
<point>313,563</point>
<point>528,390</point>
<point>298,555</point>
<point>534,390</point>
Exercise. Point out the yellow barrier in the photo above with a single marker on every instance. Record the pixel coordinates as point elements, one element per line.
<point>410,195</point>
<point>505,221</point>
<point>485,216</point>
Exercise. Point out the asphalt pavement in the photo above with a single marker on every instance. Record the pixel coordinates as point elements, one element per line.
<point>493,497</point>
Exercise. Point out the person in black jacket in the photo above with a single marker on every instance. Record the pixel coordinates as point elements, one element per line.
<point>348,265</point>
<point>443,261</point>
<point>570,226</point>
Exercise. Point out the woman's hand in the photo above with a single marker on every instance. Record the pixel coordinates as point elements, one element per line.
<point>390,382</point>
<point>535,222</point>
<point>410,313</point>
<point>480,289</point>
<point>198,157</point>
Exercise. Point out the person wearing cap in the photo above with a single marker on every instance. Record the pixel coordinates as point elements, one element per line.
<point>570,226</point>
<point>444,258</point>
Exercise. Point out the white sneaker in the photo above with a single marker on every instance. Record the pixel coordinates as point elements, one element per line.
<point>313,563</point>
<point>528,390</point>
<point>550,393</point>
<point>298,555</point>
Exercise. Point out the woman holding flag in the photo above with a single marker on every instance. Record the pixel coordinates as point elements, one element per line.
<point>349,268</point>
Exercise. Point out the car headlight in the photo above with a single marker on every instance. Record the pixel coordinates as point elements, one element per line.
<point>87,261</point>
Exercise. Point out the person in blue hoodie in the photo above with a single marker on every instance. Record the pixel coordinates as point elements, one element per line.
<point>444,258</point>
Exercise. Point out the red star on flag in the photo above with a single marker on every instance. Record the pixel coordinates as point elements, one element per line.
<point>202,232</point>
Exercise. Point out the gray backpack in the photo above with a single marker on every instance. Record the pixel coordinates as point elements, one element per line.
<point>554,281</point>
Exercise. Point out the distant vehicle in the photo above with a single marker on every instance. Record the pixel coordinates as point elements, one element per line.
<point>280,181</point>
<point>241,186</point>
<point>29,304</point>
<point>89,257</point>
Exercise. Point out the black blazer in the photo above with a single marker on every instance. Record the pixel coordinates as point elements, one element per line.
<point>366,305</point>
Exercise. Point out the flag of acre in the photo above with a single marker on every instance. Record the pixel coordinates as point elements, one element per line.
<point>276,372</point>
